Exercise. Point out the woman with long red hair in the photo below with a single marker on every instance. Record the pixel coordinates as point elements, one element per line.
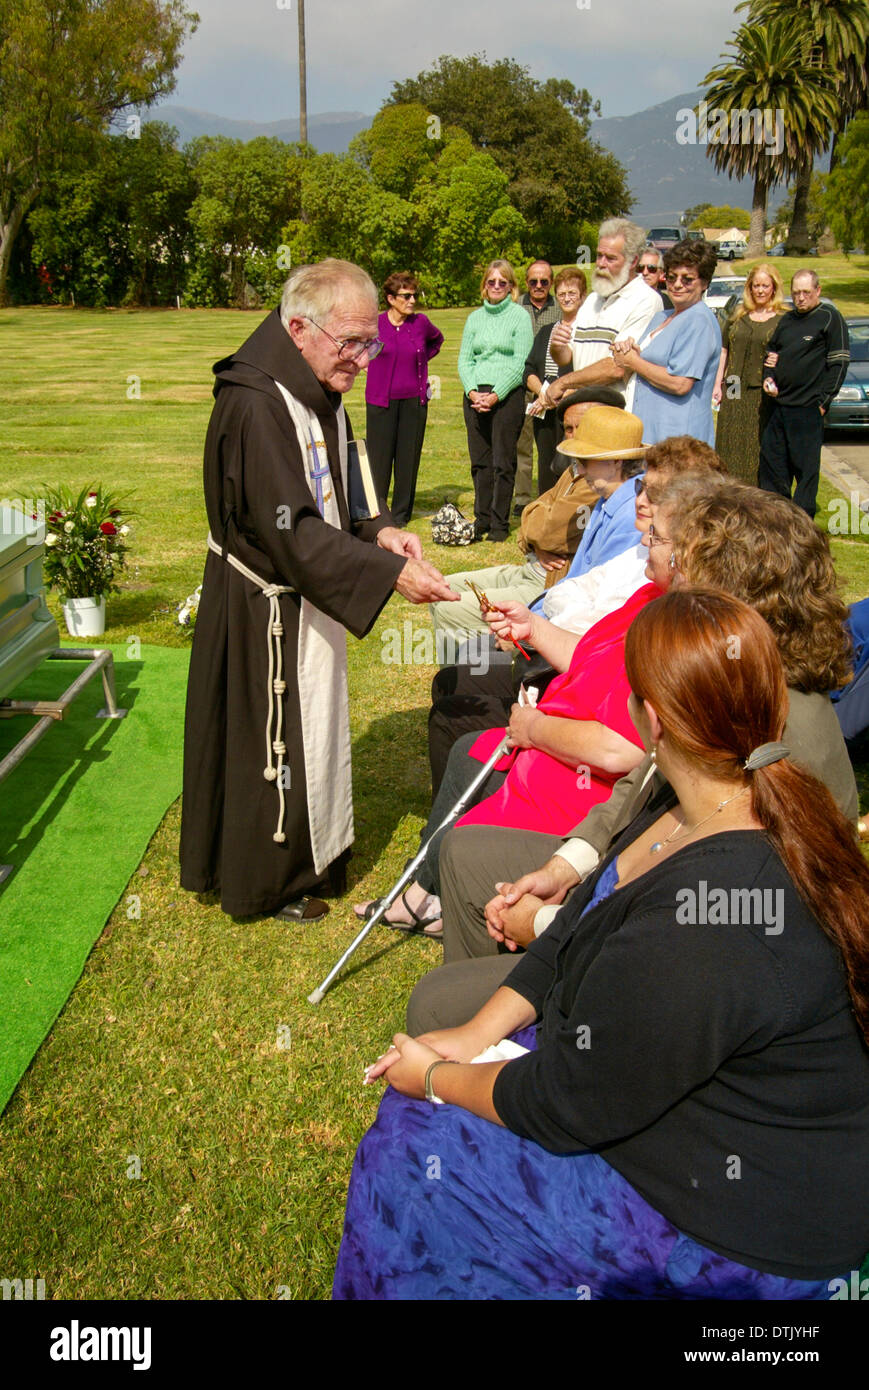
<point>692,1117</point>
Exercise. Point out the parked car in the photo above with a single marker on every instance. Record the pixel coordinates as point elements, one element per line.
<point>849,410</point>
<point>731,250</point>
<point>779,250</point>
<point>662,238</point>
<point>721,287</point>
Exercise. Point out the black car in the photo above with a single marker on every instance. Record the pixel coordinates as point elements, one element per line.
<point>850,408</point>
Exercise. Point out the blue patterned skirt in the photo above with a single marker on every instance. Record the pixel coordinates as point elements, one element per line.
<point>443,1205</point>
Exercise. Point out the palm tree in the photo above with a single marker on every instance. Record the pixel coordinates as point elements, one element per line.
<point>766,73</point>
<point>834,38</point>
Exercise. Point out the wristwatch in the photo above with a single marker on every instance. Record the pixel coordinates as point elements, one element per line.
<point>429,1093</point>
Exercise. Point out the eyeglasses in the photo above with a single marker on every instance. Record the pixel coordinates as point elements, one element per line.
<point>649,269</point>
<point>407,294</point>
<point>675,278</point>
<point>497,284</point>
<point>351,349</point>
<point>655,538</point>
<point>538,282</point>
<point>639,485</point>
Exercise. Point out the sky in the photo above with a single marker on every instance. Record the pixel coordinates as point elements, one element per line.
<point>243,61</point>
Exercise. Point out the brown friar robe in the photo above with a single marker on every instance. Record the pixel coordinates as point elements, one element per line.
<point>261,509</point>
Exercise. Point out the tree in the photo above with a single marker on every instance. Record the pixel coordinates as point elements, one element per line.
<point>847,201</point>
<point>834,39</point>
<point>766,73</point>
<point>722,216</point>
<point>117,232</point>
<point>817,216</point>
<point>67,67</point>
<point>537,133</point>
<point>242,197</point>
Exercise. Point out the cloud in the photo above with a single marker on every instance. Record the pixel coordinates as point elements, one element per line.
<point>243,60</point>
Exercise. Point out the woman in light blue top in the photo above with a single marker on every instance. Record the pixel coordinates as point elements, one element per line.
<point>496,341</point>
<point>677,359</point>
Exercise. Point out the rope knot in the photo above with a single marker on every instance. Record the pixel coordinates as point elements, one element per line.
<point>279,687</point>
<point>270,774</point>
<point>279,837</point>
<point>279,748</point>
<point>277,629</point>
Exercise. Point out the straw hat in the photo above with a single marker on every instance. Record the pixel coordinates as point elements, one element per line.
<point>606,433</point>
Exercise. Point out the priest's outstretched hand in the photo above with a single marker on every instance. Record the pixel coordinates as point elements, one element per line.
<point>422,583</point>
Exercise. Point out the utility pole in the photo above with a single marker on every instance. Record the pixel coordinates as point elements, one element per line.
<point>303,80</point>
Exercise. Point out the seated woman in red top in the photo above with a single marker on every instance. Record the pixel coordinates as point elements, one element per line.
<point>565,755</point>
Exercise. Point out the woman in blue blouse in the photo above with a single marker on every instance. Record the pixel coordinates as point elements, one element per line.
<point>677,358</point>
<point>396,393</point>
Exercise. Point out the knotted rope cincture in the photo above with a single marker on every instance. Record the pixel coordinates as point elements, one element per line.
<point>275,746</point>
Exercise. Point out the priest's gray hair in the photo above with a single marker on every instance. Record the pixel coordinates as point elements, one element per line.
<point>634,236</point>
<point>315,291</point>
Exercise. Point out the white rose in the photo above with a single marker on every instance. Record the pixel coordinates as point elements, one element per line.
<point>125,530</point>
<point>90,502</point>
<point>69,526</point>
<point>51,538</point>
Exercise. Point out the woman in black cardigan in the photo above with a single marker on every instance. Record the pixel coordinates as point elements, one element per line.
<point>694,1119</point>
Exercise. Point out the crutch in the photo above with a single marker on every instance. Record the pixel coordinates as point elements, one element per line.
<point>406,877</point>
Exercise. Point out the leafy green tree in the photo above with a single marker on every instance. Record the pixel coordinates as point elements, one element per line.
<point>67,67</point>
<point>242,198</point>
<point>451,213</point>
<point>721,216</point>
<point>847,200</point>
<point>537,134</point>
<point>834,39</point>
<point>766,72</point>
<point>116,232</point>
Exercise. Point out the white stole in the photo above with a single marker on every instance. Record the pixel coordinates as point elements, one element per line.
<point>322,665</point>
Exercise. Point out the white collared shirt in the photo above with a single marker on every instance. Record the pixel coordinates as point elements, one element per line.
<point>603,321</point>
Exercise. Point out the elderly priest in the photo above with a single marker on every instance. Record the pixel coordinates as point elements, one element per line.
<point>299,550</point>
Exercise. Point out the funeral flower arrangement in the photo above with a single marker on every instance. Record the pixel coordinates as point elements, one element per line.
<point>85,541</point>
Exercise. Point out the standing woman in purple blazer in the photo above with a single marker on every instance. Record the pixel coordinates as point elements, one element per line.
<point>396,393</point>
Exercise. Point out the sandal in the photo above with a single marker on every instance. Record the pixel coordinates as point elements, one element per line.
<point>417,927</point>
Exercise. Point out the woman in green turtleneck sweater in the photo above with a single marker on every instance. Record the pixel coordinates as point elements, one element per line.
<point>495,344</point>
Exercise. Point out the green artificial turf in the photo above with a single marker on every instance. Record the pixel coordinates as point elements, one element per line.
<point>75,819</point>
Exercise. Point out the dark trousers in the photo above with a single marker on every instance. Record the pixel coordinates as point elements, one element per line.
<point>492,439</point>
<point>547,434</point>
<point>465,700</point>
<point>473,859</point>
<point>394,436</point>
<point>790,451</point>
<point>460,773</point>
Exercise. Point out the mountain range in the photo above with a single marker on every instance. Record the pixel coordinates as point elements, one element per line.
<point>665,175</point>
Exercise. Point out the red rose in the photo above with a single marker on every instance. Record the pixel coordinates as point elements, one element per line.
<point>108,528</point>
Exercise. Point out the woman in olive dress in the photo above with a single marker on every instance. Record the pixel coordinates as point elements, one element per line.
<point>738,383</point>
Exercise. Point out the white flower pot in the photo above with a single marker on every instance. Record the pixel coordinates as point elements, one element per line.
<point>85,617</point>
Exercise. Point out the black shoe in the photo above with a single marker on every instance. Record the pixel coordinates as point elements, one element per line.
<point>499,535</point>
<point>303,910</point>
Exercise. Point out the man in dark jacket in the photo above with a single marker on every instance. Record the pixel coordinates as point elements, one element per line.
<point>807,358</point>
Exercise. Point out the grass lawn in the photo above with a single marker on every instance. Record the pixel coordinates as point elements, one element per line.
<point>189,1043</point>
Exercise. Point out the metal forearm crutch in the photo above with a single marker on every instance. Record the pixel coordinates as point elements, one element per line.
<point>386,903</point>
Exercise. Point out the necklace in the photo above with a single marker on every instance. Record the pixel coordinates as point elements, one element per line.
<point>659,844</point>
